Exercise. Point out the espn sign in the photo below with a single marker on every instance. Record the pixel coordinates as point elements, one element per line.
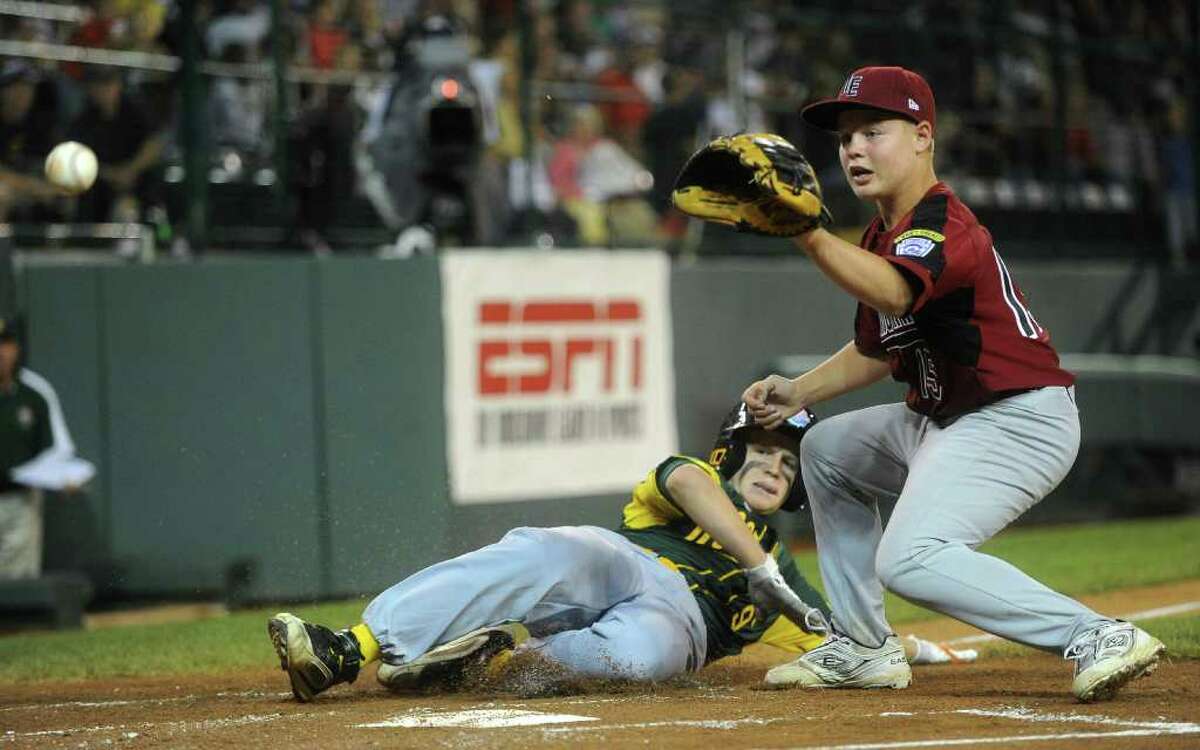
<point>558,372</point>
<point>543,362</point>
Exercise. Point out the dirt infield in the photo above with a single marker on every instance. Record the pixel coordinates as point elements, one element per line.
<point>1018,699</point>
<point>1000,702</point>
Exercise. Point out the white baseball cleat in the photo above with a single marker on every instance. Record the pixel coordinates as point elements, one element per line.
<point>841,663</point>
<point>1109,656</point>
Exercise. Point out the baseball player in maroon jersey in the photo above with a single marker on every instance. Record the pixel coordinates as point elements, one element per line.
<point>989,428</point>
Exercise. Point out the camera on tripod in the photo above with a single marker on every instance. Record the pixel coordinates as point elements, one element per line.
<point>423,142</point>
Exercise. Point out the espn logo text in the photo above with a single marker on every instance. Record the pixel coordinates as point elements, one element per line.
<point>542,347</point>
<point>556,371</point>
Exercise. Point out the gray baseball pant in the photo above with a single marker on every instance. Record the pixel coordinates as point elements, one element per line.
<point>20,534</point>
<point>953,488</point>
<point>592,600</point>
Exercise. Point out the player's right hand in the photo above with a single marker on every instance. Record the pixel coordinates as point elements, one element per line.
<point>772,400</point>
<point>770,592</point>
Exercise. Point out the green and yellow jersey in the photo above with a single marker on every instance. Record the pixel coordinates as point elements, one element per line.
<point>653,520</point>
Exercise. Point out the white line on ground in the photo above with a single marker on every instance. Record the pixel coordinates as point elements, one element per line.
<point>60,732</point>
<point>1025,714</point>
<point>1148,614</point>
<point>1137,729</point>
<point>1013,739</point>
<point>488,718</point>
<point>185,726</point>
<point>94,704</point>
<point>682,723</point>
<point>140,701</point>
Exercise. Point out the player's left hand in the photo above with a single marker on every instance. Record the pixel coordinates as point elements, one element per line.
<point>770,592</point>
<point>753,182</point>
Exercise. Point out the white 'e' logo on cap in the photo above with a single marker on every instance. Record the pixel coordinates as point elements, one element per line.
<point>851,86</point>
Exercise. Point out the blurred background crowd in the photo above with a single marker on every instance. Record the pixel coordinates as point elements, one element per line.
<point>403,125</point>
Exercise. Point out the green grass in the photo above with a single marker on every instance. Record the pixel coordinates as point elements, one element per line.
<point>1181,634</point>
<point>212,646</point>
<point>1073,559</point>
<point>1079,559</point>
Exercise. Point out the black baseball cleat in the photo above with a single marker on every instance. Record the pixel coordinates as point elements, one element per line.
<point>481,653</point>
<point>315,657</point>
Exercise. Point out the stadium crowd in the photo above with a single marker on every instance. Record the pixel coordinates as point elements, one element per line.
<point>1090,94</point>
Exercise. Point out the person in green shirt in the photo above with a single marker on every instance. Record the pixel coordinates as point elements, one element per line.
<point>32,428</point>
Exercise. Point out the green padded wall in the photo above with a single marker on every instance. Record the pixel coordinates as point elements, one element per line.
<point>381,372</point>
<point>64,344</point>
<point>210,400</point>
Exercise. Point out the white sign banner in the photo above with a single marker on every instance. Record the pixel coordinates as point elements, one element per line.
<point>559,376</point>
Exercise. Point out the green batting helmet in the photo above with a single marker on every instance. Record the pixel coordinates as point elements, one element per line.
<point>729,452</point>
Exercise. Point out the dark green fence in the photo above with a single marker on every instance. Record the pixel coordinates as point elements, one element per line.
<point>273,429</point>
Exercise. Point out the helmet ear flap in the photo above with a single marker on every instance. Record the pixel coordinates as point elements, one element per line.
<point>727,456</point>
<point>797,498</point>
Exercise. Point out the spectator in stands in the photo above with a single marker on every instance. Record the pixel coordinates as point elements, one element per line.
<point>321,143</point>
<point>786,73</point>
<point>624,108</point>
<point>1179,183</point>
<point>1082,157</point>
<point>578,42</point>
<point>127,144</point>
<point>671,133</point>
<point>990,139</point>
<point>528,189</point>
<point>103,28</point>
<point>600,185</point>
<point>649,69</point>
<point>244,22</point>
<point>156,88</point>
<point>29,128</point>
<point>369,30</point>
<point>1024,69</point>
<point>35,451</point>
<point>566,176</point>
<point>237,107</point>
<point>324,36</point>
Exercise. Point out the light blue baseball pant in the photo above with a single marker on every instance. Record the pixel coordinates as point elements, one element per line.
<point>592,600</point>
<point>953,488</point>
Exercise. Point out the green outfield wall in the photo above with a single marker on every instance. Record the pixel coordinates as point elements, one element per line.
<point>272,428</point>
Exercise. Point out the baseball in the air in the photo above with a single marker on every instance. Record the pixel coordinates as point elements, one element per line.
<point>72,166</point>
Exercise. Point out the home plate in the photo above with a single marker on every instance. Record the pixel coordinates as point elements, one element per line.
<point>483,718</point>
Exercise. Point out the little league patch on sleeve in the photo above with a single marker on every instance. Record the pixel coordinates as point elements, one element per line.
<point>917,247</point>
<point>926,233</point>
<point>918,242</point>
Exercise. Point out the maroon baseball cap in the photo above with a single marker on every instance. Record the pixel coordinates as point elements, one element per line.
<point>891,89</point>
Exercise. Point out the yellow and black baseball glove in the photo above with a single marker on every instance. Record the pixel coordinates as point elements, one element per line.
<point>754,182</point>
